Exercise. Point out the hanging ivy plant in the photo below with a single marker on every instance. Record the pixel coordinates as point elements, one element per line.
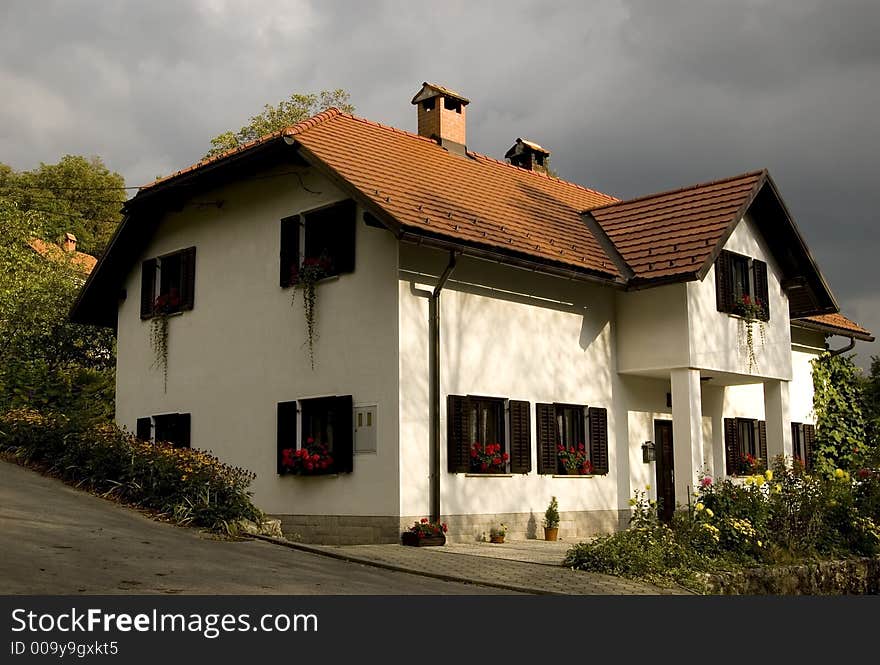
<point>304,278</point>
<point>752,311</point>
<point>163,307</point>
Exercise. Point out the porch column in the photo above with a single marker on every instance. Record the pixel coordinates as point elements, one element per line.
<point>687,430</point>
<point>778,417</point>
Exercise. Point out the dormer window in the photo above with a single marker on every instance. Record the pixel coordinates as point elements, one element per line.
<point>741,286</point>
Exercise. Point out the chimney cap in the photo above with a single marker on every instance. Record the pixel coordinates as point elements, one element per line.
<point>433,90</point>
<point>522,144</point>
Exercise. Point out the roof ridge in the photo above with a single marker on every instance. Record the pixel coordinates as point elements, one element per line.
<point>547,176</point>
<point>290,130</point>
<point>681,190</point>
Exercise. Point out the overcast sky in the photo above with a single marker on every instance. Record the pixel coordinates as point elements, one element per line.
<point>631,96</point>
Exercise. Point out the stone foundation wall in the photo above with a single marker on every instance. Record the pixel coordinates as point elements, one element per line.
<point>853,576</point>
<point>371,530</point>
<point>341,529</point>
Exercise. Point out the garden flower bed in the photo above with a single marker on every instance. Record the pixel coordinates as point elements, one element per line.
<point>778,532</point>
<point>188,487</point>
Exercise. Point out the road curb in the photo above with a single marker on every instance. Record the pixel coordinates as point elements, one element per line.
<point>401,569</point>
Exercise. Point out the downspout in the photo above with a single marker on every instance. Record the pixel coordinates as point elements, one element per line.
<point>434,363</point>
<point>848,347</point>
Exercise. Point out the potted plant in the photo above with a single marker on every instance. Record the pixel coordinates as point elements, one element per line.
<point>574,460</point>
<point>488,458</point>
<point>551,520</point>
<point>497,533</point>
<point>425,533</point>
<point>304,277</point>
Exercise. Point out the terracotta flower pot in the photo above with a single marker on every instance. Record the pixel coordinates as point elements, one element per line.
<point>427,540</point>
<point>496,538</point>
<point>551,534</point>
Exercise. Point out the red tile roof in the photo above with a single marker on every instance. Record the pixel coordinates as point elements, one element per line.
<point>474,199</point>
<point>83,262</point>
<point>674,233</point>
<point>835,323</point>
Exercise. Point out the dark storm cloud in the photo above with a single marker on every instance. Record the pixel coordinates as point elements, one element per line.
<point>631,96</point>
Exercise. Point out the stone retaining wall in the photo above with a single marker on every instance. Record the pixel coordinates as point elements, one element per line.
<point>851,576</point>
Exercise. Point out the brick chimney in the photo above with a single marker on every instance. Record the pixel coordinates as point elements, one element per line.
<point>528,155</point>
<point>69,243</point>
<point>442,116</point>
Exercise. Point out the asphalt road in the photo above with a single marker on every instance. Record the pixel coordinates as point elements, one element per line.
<point>55,539</point>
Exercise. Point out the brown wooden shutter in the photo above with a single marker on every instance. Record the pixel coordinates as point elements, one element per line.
<point>797,430</point>
<point>762,441</point>
<point>286,429</point>
<point>545,415</point>
<point>458,443</point>
<point>184,421</point>
<point>144,429</point>
<point>731,446</point>
<point>724,282</point>
<point>762,287</point>
<point>809,446</point>
<point>148,287</point>
<point>187,278</point>
<point>346,220</point>
<point>289,251</point>
<point>598,421</point>
<point>343,434</point>
<point>520,429</point>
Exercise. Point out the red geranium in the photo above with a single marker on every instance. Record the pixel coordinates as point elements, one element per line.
<point>313,458</point>
<point>488,458</point>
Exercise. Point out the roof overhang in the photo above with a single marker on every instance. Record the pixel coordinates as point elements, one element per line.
<point>829,330</point>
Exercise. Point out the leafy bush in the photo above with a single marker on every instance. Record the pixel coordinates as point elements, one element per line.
<point>781,516</point>
<point>186,486</point>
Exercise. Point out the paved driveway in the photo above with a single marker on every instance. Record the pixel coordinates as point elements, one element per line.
<point>58,540</point>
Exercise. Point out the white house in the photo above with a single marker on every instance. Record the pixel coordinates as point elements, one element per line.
<point>464,300</point>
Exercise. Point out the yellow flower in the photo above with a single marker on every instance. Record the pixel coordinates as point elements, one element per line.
<point>699,507</point>
<point>760,544</point>
<point>768,474</point>
<point>778,488</point>
<point>838,473</point>
<point>647,488</point>
<point>749,480</point>
<point>709,512</point>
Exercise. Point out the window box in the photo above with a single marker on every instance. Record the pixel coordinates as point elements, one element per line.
<point>573,475</point>
<point>168,283</point>
<point>573,432</point>
<point>488,475</point>
<point>745,446</point>
<point>742,286</point>
<point>315,436</point>
<point>488,435</point>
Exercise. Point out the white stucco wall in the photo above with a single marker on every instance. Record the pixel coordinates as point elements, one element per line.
<point>652,329</point>
<point>241,350</point>
<point>504,345</point>
<point>717,339</point>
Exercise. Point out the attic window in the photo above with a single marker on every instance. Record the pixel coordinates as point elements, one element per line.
<point>452,104</point>
<point>429,104</point>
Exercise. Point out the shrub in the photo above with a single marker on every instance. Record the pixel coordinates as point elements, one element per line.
<point>183,485</point>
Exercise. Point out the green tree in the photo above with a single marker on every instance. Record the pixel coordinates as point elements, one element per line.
<point>284,114</point>
<point>840,422</point>
<point>871,394</point>
<point>78,194</point>
<point>46,362</point>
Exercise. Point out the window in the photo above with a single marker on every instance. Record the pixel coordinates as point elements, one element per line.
<point>321,239</point>
<point>321,427</point>
<point>803,438</point>
<point>452,104</point>
<point>571,426</point>
<point>173,428</point>
<point>429,104</point>
<point>168,283</point>
<point>745,444</point>
<point>741,286</point>
<point>488,421</point>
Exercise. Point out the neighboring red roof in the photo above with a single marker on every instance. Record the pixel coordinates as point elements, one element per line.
<point>83,262</point>
<point>835,323</point>
<point>676,232</point>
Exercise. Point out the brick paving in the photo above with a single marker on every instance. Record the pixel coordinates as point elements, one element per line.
<point>526,566</point>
